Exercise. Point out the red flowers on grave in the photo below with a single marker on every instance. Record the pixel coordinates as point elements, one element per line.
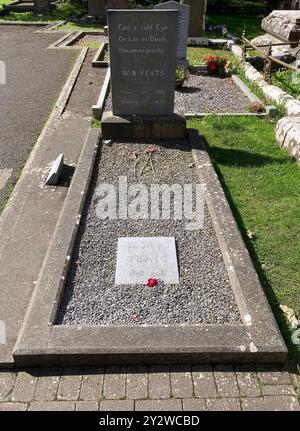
<point>135,155</point>
<point>152,282</point>
<point>218,65</point>
<point>149,152</point>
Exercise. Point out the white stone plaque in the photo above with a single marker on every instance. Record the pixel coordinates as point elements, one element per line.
<point>139,259</point>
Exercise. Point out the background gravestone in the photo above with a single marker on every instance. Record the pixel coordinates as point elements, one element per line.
<point>116,4</point>
<point>183,26</point>
<point>143,61</point>
<point>97,8</point>
<point>41,7</point>
<point>197,17</point>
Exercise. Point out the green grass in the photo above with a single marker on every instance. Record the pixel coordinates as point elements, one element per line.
<point>95,123</point>
<point>236,24</point>
<point>197,55</point>
<point>90,44</point>
<point>259,93</point>
<point>287,81</point>
<point>80,26</point>
<point>262,185</point>
<point>2,2</point>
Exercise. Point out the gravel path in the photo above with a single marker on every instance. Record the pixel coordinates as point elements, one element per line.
<point>206,94</point>
<point>90,297</point>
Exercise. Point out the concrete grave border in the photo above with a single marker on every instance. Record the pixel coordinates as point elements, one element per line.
<point>96,62</point>
<point>97,110</point>
<point>42,343</point>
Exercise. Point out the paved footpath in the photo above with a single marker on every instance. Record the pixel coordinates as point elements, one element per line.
<point>34,78</point>
<point>158,388</point>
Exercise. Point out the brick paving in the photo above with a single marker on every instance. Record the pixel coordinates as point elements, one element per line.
<point>152,388</point>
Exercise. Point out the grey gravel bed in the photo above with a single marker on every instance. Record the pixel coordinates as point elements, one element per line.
<point>206,94</point>
<point>90,296</point>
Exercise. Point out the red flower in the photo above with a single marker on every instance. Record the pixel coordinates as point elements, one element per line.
<point>212,66</point>
<point>152,282</point>
<point>151,150</point>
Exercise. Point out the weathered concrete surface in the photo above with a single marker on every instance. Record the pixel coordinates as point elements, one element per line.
<point>283,24</point>
<point>28,222</point>
<point>170,127</point>
<point>34,78</point>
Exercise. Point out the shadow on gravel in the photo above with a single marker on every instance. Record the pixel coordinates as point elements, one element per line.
<point>188,90</point>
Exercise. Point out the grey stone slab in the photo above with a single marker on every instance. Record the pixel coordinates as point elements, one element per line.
<point>226,381</point>
<point>159,382</point>
<point>253,404</point>
<point>114,383</point>
<point>117,4</point>
<point>12,407</point>
<point>142,61</point>
<point>47,384</point>
<point>278,390</point>
<point>87,406</point>
<point>223,404</point>
<point>282,403</point>
<point>194,405</point>
<point>183,26</point>
<point>24,387</point>
<point>51,406</point>
<point>92,384</point>
<point>7,381</point>
<point>97,8</point>
<point>55,170</point>
<point>197,17</point>
<point>284,25</point>
<point>116,405</point>
<point>248,382</point>
<point>140,127</point>
<point>158,405</point>
<point>136,383</point>
<point>69,385</point>
<point>181,382</point>
<point>139,259</point>
<point>204,381</point>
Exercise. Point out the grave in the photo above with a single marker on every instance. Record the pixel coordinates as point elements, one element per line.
<point>97,8</point>
<point>183,25</point>
<point>143,62</point>
<point>281,26</point>
<point>197,17</point>
<point>139,259</point>
<point>91,305</point>
<point>116,4</point>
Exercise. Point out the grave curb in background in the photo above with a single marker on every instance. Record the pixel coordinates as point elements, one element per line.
<point>42,343</point>
<point>100,63</point>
